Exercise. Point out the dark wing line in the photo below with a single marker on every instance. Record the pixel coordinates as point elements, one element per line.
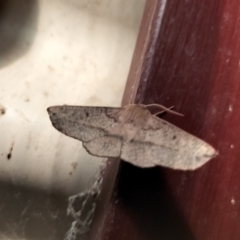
<point>152,144</point>
<point>106,133</point>
<point>95,154</point>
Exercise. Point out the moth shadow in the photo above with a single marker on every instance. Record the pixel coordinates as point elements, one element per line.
<point>144,196</point>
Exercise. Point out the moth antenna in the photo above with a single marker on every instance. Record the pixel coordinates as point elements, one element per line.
<point>158,113</point>
<point>164,109</point>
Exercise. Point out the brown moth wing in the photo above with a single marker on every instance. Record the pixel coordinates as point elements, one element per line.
<point>90,125</point>
<point>107,146</point>
<point>133,134</point>
<point>161,143</point>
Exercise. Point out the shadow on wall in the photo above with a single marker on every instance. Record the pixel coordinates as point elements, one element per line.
<point>18,25</point>
<point>150,206</point>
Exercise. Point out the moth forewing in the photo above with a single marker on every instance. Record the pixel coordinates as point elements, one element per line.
<point>186,150</point>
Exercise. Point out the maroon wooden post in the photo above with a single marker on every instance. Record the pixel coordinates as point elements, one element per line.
<point>188,56</point>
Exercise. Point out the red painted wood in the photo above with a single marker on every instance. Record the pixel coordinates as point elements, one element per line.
<point>193,63</point>
<point>196,68</point>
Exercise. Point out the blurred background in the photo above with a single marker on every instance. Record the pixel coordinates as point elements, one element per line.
<point>55,52</point>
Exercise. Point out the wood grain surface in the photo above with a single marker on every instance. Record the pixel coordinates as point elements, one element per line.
<point>187,56</point>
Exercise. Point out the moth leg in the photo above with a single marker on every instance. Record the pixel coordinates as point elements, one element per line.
<point>164,109</point>
<point>161,112</point>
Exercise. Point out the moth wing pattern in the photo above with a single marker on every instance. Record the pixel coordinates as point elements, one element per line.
<point>133,134</point>
<point>89,125</point>
<point>161,143</point>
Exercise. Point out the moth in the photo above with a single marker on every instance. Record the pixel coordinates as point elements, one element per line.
<point>133,134</point>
